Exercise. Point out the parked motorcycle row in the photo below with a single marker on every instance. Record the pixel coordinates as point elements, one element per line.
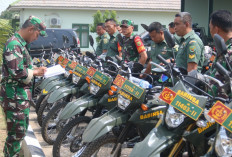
<point>100,107</point>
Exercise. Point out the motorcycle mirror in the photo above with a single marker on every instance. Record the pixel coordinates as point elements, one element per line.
<point>90,55</point>
<point>169,39</point>
<point>120,40</point>
<point>220,44</point>
<point>75,41</point>
<point>144,26</point>
<point>91,40</point>
<point>109,58</point>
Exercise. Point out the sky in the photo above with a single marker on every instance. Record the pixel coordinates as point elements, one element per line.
<point>4,4</point>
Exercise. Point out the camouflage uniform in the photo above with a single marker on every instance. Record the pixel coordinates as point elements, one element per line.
<point>220,92</point>
<point>16,90</point>
<point>132,47</point>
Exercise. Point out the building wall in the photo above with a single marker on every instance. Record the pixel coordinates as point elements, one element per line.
<point>69,17</point>
<point>199,10</point>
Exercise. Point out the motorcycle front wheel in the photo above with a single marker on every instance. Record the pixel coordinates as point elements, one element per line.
<point>68,140</point>
<point>101,147</point>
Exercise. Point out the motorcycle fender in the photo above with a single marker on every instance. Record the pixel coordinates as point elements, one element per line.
<point>53,86</point>
<point>45,82</point>
<point>102,125</point>
<point>155,142</point>
<point>77,106</point>
<point>62,92</point>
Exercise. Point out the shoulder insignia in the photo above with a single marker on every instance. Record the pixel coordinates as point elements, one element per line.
<point>192,41</point>
<point>191,56</point>
<point>105,41</point>
<point>192,48</point>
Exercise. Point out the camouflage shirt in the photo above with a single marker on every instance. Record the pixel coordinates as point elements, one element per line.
<point>132,47</point>
<point>17,70</point>
<point>217,90</point>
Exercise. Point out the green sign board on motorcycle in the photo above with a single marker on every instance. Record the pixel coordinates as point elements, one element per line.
<point>132,89</point>
<point>72,64</point>
<point>81,69</point>
<point>228,123</point>
<point>222,115</point>
<point>185,106</point>
<point>101,77</point>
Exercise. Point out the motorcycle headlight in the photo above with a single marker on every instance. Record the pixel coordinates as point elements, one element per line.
<point>172,118</point>
<point>66,74</point>
<point>75,79</point>
<point>123,103</point>
<point>93,88</point>
<point>223,145</point>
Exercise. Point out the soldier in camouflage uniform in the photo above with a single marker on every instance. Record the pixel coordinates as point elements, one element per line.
<point>133,48</point>
<point>16,83</point>
<point>104,39</point>
<point>221,23</point>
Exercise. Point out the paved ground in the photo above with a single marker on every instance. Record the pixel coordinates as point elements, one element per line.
<point>2,131</point>
<point>37,130</point>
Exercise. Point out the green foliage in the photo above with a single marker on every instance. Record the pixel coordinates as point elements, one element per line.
<point>98,17</point>
<point>7,14</point>
<point>5,32</point>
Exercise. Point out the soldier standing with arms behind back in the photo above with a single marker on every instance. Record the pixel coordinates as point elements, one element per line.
<point>104,39</point>
<point>16,85</point>
<point>190,55</point>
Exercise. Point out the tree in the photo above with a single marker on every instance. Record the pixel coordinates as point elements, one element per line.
<point>5,32</point>
<point>6,14</point>
<point>99,18</point>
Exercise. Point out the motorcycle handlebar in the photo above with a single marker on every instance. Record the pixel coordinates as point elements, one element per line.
<point>221,69</point>
<point>159,57</point>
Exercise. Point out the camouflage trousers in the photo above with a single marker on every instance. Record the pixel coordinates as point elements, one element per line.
<point>17,118</point>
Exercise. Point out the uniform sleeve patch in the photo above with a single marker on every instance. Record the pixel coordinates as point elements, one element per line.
<point>192,48</point>
<point>191,56</point>
<point>192,41</point>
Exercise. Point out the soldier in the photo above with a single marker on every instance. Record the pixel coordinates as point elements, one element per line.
<point>171,28</point>
<point>159,46</point>
<point>190,55</point>
<point>113,46</point>
<point>104,39</point>
<point>16,86</point>
<point>221,23</point>
<point>119,28</point>
<point>133,48</point>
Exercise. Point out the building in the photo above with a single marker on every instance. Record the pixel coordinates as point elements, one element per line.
<point>77,14</point>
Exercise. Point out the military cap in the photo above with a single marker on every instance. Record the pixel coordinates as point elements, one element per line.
<point>38,24</point>
<point>127,23</point>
